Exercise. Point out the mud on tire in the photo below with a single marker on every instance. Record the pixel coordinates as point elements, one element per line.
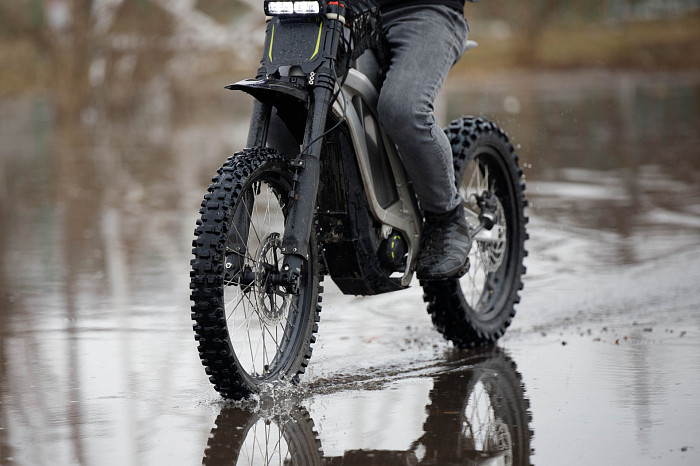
<point>477,309</point>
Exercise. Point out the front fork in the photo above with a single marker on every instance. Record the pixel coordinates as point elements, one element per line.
<point>299,225</point>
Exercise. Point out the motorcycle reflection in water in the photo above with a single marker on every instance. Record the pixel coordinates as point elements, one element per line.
<point>477,415</point>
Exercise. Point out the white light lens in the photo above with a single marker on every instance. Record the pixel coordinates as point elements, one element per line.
<point>280,8</point>
<point>306,7</point>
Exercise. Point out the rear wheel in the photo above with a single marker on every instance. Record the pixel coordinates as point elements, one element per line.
<point>479,414</point>
<point>477,308</point>
<point>251,329</point>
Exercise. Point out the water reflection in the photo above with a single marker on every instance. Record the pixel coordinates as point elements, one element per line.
<point>243,436</point>
<point>477,414</point>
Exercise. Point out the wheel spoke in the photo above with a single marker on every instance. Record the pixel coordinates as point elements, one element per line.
<point>261,306</point>
<point>486,251</point>
<point>249,209</point>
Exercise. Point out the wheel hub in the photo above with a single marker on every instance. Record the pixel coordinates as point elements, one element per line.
<point>491,240</point>
<point>272,300</point>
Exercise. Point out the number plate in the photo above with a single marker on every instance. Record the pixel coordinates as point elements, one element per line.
<point>293,43</point>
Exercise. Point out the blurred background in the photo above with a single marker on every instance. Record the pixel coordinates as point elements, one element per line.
<point>119,104</point>
<point>113,118</point>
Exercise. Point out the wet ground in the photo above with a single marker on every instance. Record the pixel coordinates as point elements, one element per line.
<point>601,365</point>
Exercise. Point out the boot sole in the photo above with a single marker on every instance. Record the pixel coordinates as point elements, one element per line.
<point>458,273</point>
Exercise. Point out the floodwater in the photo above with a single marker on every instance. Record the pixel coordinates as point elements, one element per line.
<point>98,364</point>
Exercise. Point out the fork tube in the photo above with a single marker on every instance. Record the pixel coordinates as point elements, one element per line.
<point>299,227</point>
<point>259,123</point>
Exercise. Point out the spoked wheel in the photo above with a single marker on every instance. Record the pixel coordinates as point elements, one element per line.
<point>477,308</point>
<point>479,414</point>
<point>488,432</point>
<point>251,326</point>
<point>245,437</point>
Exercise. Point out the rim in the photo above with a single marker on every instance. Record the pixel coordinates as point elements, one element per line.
<point>488,432</point>
<point>488,253</point>
<point>261,317</point>
<point>265,443</point>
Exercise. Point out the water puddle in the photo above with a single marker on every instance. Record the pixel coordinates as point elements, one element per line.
<point>97,359</point>
<point>475,412</point>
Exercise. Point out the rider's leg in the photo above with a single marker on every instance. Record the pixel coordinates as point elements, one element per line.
<point>425,42</point>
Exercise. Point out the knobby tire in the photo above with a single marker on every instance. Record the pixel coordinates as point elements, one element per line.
<point>250,331</point>
<point>476,309</point>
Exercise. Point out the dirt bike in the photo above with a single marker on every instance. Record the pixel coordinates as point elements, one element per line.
<point>321,190</point>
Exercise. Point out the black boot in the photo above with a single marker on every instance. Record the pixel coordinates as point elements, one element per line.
<point>445,246</point>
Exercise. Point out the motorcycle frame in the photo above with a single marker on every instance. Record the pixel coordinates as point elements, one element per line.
<point>309,87</point>
<point>402,214</point>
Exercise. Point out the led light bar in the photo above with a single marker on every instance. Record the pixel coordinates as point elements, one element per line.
<point>279,8</point>
<point>274,8</point>
<point>305,8</point>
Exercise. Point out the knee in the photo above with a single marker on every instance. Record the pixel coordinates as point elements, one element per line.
<point>401,114</point>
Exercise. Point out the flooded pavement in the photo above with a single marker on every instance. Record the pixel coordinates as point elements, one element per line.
<point>601,366</point>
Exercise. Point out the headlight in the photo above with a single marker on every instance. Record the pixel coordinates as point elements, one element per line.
<point>279,8</point>
<point>306,8</point>
<point>274,8</point>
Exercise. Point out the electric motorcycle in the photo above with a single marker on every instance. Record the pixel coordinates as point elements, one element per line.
<point>321,190</point>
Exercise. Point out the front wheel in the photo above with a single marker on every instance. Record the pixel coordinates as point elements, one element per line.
<point>250,328</point>
<point>263,437</point>
<point>477,308</point>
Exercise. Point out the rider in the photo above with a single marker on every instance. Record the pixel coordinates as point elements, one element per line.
<point>426,38</point>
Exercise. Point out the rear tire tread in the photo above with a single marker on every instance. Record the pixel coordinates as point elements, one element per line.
<point>446,304</point>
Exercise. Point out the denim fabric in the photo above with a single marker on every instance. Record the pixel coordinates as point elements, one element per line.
<point>425,43</point>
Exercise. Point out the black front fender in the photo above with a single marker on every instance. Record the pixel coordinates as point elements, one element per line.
<point>290,100</point>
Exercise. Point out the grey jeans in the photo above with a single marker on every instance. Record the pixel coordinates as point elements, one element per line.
<point>425,43</point>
